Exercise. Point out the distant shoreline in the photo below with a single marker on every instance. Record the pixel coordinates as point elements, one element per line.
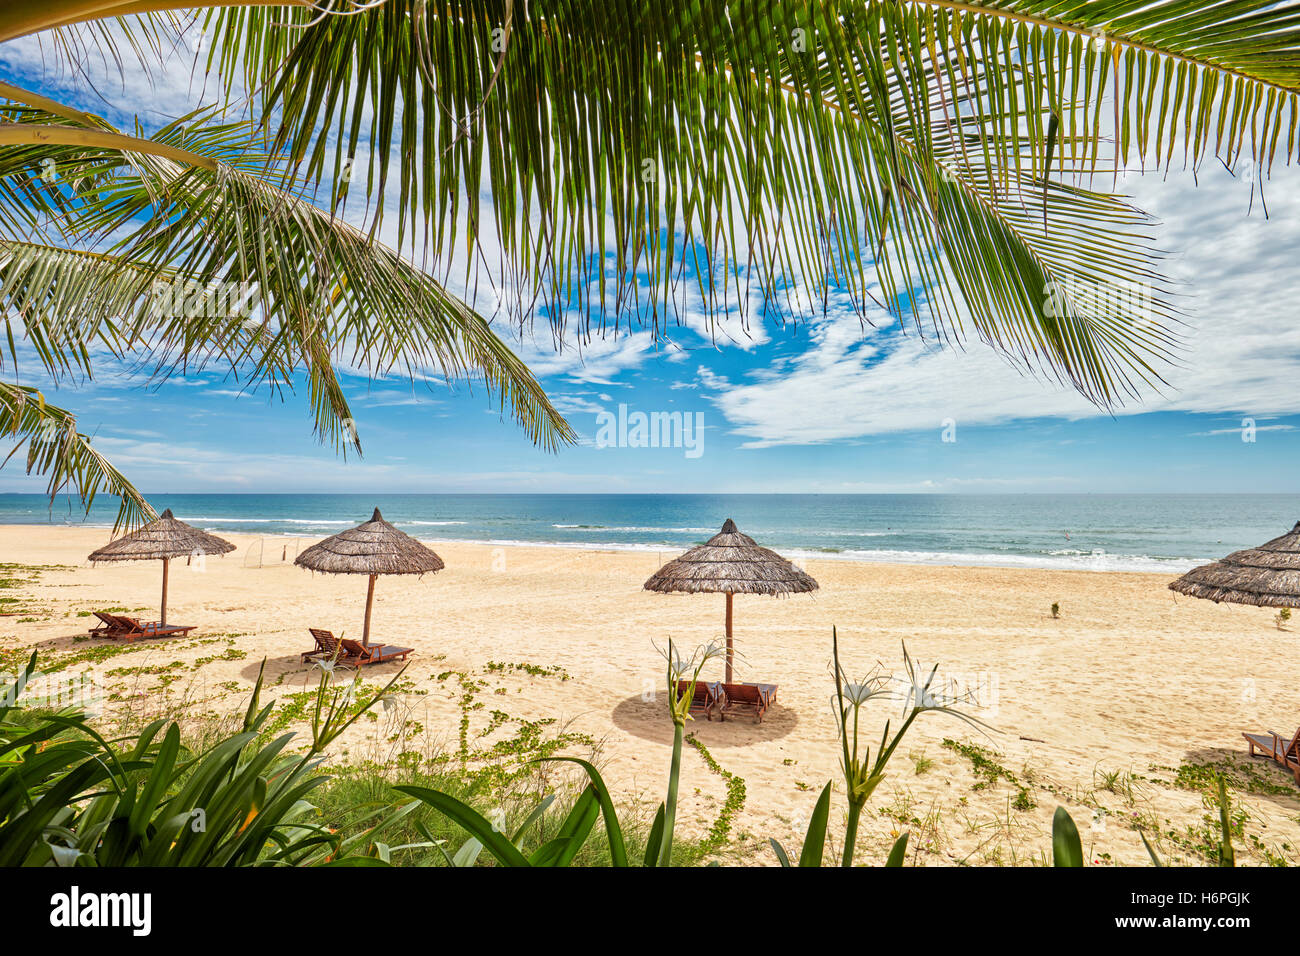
<point>1103,563</point>
<point>1144,533</point>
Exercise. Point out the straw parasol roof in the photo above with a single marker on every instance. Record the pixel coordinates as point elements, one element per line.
<point>731,563</point>
<point>375,547</point>
<point>163,538</point>
<point>1267,576</point>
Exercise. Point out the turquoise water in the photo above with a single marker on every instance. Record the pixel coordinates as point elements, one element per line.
<point>1101,532</point>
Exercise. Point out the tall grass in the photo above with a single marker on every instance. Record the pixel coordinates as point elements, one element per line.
<point>227,790</point>
<point>427,833</point>
<point>70,796</point>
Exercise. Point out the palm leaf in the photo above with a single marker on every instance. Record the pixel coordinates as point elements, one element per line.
<point>325,291</point>
<point>60,303</point>
<point>939,151</point>
<point>66,457</point>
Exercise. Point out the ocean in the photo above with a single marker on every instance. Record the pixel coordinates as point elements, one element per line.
<point>1093,532</point>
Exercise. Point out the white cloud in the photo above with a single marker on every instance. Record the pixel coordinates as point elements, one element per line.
<point>391,397</point>
<point>1240,428</point>
<point>596,361</point>
<point>1242,344</point>
<point>576,404</point>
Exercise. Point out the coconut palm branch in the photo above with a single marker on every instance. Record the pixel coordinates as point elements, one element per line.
<point>188,212</point>
<point>948,159</point>
<point>57,450</point>
<point>323,289</point>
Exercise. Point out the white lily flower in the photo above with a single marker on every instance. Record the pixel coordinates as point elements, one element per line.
<point>858,693</point>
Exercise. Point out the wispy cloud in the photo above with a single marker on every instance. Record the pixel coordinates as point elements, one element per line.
<point>1245,427</point>
<point>1241,352</point>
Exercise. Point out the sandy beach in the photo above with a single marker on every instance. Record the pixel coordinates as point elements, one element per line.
<point>1110,710</point>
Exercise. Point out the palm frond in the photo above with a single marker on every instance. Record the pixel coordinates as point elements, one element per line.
<point>60,303</point>
<point>56,449</point>
<point>1216,79</point>
<point>941,152</point>
<point>269,282</point>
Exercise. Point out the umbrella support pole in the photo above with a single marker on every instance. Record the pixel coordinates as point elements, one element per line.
<point>729,596</point>
<point>162,614</point>
<point>370,600</point>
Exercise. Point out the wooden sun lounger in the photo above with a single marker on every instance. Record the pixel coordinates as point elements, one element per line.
<point>1278,748</point>
<point>129,628</point>
<point>708,696</point>
<point>135,628</point>
<point>327,647</point>
<point>757,696</point>
<point>108,624</point>
<point>113,625</point>
<point>354,653</point>
<point>375,653</point>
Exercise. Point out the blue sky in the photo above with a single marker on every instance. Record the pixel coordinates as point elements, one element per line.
<point>822,406</point>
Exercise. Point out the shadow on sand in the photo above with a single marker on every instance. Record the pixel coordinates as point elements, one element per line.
<point>291,671</point>
<point>649,720</point>
<point>1262,768</point>
<point>68,642</point>
<point>81,640</point>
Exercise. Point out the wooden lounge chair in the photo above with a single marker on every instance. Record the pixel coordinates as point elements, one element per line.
<point>108,623</point>
<point>375,653</point>
<point>327,647</point>
<point>1274,745</point>
<point>119,626</point>
<point>135,628</point>
<point>708,696</point>
<point>758,696</point>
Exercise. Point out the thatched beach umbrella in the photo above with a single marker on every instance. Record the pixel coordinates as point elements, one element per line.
<point>1267,576</point>
<point>373,548</point>
<point>164,538</point>
<point>731,563</point>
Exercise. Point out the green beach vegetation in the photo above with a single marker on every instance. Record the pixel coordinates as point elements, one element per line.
<point>246,790</point>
